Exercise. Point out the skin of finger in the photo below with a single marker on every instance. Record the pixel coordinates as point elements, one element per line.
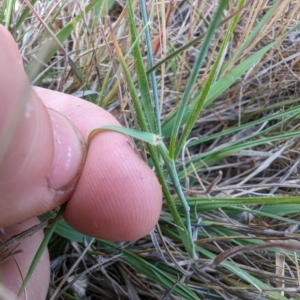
<point>117,197</point>
<point>14,269</point>
<point>27,143</point>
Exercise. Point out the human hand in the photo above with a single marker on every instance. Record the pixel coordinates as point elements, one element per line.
<point>44,161</point>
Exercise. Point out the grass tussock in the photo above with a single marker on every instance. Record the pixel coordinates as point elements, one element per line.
<point>237,167</point>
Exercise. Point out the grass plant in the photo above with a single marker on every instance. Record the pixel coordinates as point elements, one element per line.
<point>209,90</point>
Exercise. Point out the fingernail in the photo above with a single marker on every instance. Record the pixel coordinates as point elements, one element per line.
<point>70,152</point>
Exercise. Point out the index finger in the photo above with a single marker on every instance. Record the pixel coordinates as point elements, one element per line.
<point>118,197</point>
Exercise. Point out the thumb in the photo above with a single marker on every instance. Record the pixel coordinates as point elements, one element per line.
<point>41,153</point>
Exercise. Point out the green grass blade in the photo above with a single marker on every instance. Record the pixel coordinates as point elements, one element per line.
<point>199,101</point>
<point>205,204</point>
<point>289,113</point>
<point>102,8</point>
<point>111,84</point>
<point>41,249</point>
<point>140,264</point>
<point>103,92</point>
<point>64,230</point>
<point>248,278</point>
<point>175,53</point>
<point>150,65</point>
<point>151,271</point>
<point>253,34</point>
<point>141,72</point>
<point>24,15</point>
<point>133,260</point>
<point>8,12</point>
<point>147,137</point>
<point>252,280</point>
<point>186,234</point>
<point>220,86</point>
<point>281,209</point>
<point>140,114</point>
<point>194,74</point>
<point>153,153</point>
<point>264,214</point>
<point>212,157</point>
<point>225,82</point>
<point>261,286</point>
